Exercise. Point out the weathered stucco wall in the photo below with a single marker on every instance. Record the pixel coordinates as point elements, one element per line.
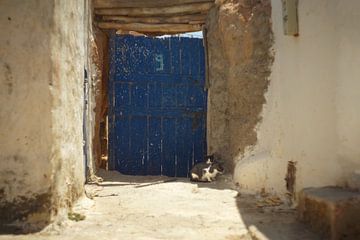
<point>25,112</point>
<point>41,107</point>
<point>347,93</point>
<point>239,44</point>
<point>100,72</point>
<point>311,115</point>
<point>68,48</point>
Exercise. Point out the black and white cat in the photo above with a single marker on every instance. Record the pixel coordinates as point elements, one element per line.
<point>206,171</point>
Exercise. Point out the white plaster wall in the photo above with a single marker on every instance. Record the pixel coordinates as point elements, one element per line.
<point>348,87</point>
<point>68,45</point>
<point>311,115</point>
<point>25,99</point>
<point>42,59</point>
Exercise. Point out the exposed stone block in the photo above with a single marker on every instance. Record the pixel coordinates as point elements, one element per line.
<point>331,211</point>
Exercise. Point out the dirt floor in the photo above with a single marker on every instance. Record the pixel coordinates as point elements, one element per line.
<point>124,207</point>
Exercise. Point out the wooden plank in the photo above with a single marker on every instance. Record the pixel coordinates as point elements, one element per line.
<point>168,146</point>
<point>143,3</point>
<point>206,52</point>
<point>193,18</point>
<point>140,185</point>
<point>158,28</point>
<point>164,11</point>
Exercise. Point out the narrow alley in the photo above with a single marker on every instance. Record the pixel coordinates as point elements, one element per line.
<point>134,207</point>
<point>179,119</point>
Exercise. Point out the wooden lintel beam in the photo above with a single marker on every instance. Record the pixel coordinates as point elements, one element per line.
<point>143,3</point>
<point>158,11</point>
<point>148,28</point>
<point>194,18</point>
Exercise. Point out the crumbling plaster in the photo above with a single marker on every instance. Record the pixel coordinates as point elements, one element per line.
<point>41,113</point>
<point>239,45</point>
<point>100,72</point>
<point>69,59</point>
<point>311,115</point>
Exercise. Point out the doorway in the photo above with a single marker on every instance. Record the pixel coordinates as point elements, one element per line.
<point>157,105</point>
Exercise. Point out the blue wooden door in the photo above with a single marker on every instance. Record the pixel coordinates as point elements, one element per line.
<point>157,105</point>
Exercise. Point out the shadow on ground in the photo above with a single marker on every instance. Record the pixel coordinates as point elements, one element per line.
<point>20,225</point>
<point>273,223</point>
<point>264,222</point>
<point>113,178</point>
<point>8,229</point>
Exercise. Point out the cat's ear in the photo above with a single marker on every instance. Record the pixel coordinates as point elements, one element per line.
<point>209,159</point>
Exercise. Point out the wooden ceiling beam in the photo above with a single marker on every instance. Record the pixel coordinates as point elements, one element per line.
<point>157,11</point>
<point>193,18</point>
<point>151,28</point>
<point>143,3</point>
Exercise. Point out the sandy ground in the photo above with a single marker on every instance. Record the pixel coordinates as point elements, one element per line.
<point>126,207</point>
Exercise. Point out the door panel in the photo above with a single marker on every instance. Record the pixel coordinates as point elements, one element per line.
<point>157,105</point>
